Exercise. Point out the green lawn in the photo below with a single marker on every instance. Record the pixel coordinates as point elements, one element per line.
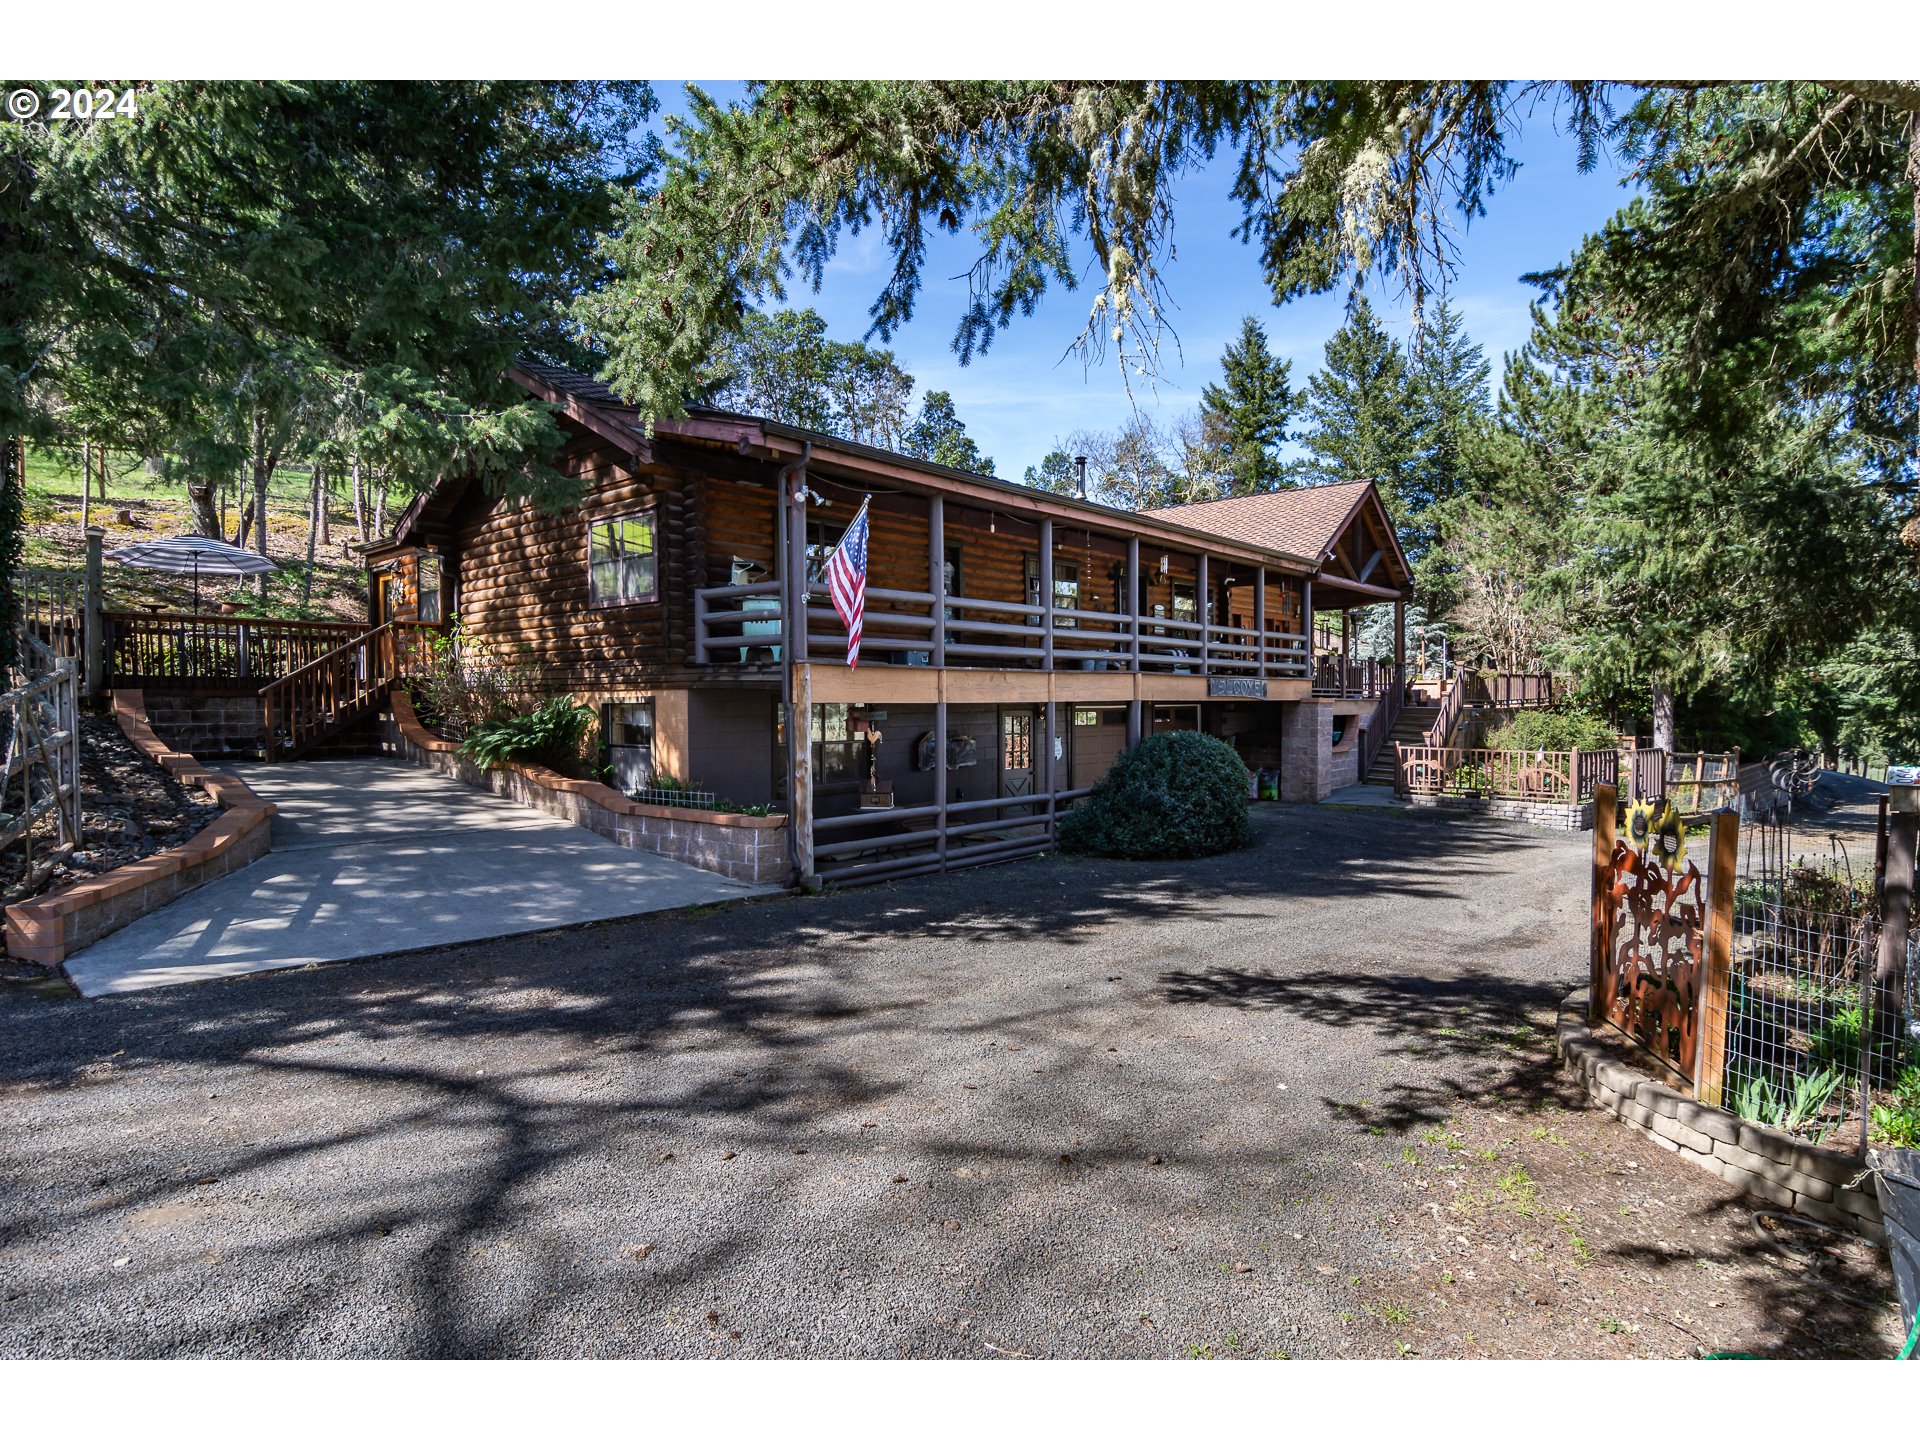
<point>154,509</point>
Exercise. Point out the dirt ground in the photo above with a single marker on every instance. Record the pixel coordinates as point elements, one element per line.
<point>131,809</point>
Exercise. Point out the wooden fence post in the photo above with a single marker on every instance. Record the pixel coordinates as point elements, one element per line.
<point>1896,906</point>
<point>1600,938</point>
<point>1710,1012</point>
<point>93,618</point>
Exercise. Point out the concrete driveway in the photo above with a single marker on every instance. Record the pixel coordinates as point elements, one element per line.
<point>373,857</point>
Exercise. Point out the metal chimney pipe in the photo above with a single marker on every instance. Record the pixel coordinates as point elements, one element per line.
<point>1080,466</point>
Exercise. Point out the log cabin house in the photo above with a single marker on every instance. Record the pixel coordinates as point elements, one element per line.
<point>1015,640</point>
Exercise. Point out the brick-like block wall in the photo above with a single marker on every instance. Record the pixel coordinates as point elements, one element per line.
<point>48,929</point>
<point>741,847</point>
<point>1789,1174</point>
<point>1532,812</point>
<point>209,726</point>
<point>1306,751</point>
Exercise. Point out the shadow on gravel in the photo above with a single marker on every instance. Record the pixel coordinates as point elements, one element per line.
<point>1480,1031</point>
<point>508,1050</point>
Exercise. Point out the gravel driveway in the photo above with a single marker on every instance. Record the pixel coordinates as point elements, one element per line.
<point>1056,1108</point>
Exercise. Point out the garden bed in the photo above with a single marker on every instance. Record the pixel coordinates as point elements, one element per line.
<point>131,808</point>
<point>741,847</point>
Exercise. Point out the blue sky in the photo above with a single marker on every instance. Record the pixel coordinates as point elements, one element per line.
<point>1022,395</point>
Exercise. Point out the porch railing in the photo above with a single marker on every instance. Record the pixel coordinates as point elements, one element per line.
<point>214,652</point>
<point>1345,676</point>
<point>1562,777</point>
<point>746,625</point>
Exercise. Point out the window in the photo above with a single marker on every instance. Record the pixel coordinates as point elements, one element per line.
<point>839,755</point>
<point>1066,591</point>
<point>822,537</point>
<point>428,608</point>
<point>621,564</point>
<point>629,731</point>
<point>1184,607</point>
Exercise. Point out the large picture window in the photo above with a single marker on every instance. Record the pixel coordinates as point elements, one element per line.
<point>621,561</point>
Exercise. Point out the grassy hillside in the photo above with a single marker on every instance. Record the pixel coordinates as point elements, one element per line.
<point>138,507</point>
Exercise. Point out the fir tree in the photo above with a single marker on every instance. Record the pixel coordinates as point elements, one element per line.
<point>1448,383</point>
<point>1362,415</point>
<point>1244,418</point>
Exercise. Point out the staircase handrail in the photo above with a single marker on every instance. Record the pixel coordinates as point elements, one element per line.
<point>384,663</point>
<point>1452,703</point>
<point>1379,725</point>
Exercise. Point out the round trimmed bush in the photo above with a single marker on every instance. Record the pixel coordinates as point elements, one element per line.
<point>1171,797</point>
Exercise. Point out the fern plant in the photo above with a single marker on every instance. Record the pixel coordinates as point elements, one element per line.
<point>549,736</point>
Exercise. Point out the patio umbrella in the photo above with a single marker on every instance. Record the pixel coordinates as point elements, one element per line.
<point>192,554</point>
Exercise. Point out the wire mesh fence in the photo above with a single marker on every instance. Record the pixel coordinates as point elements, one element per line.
<point>1820,1026</point>
<point>1782,982</point>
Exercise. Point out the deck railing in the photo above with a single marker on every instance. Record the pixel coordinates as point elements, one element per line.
<point>214,652</point>
<point>1504,691</point>
<point>746,625</point>
<point>338,687</point>
<point>1561,777</point>
<point>1346,676</point>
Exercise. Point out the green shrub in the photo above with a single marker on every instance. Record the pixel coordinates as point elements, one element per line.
<point>1171,797</point>
<point>1565,727</point>
<point>549,736</point>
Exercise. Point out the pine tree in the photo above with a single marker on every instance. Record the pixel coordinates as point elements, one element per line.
<point>940,437</point>
<point>1245,417</point>
<point>1362,415</point>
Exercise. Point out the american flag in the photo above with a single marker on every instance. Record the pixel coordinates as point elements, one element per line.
<point>846,577</point>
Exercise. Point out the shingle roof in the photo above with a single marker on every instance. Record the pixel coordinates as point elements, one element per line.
<point>1304,521</point>
<point>572,382</point>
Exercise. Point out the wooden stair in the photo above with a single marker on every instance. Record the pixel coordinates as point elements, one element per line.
<point>322,698</point>
<point>1410,727</point>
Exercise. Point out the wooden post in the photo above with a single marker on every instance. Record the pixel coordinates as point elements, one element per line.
<point>1133,723</point>
<point>1046,594</point>
<point>1260,621</point>
<point>1400,639</point>
<point>1047,732</point>
<point>940,775</point>
<point>1896,906</point>
<point>800,749</point>
<point>1710,1014</point>
<point>937,587</point>
<point>1203,612</point>
<point>1133,601</point>
<point>93,619</point>
<point>1306,623</point>
<point>1600,925</point>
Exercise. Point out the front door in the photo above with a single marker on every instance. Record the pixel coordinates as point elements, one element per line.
<point>1016,756</point>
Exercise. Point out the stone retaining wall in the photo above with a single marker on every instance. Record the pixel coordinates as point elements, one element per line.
<point>1792,1175</point>
<point>50,928</point>
<point>1532,812</point>
<point>741,847</point>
